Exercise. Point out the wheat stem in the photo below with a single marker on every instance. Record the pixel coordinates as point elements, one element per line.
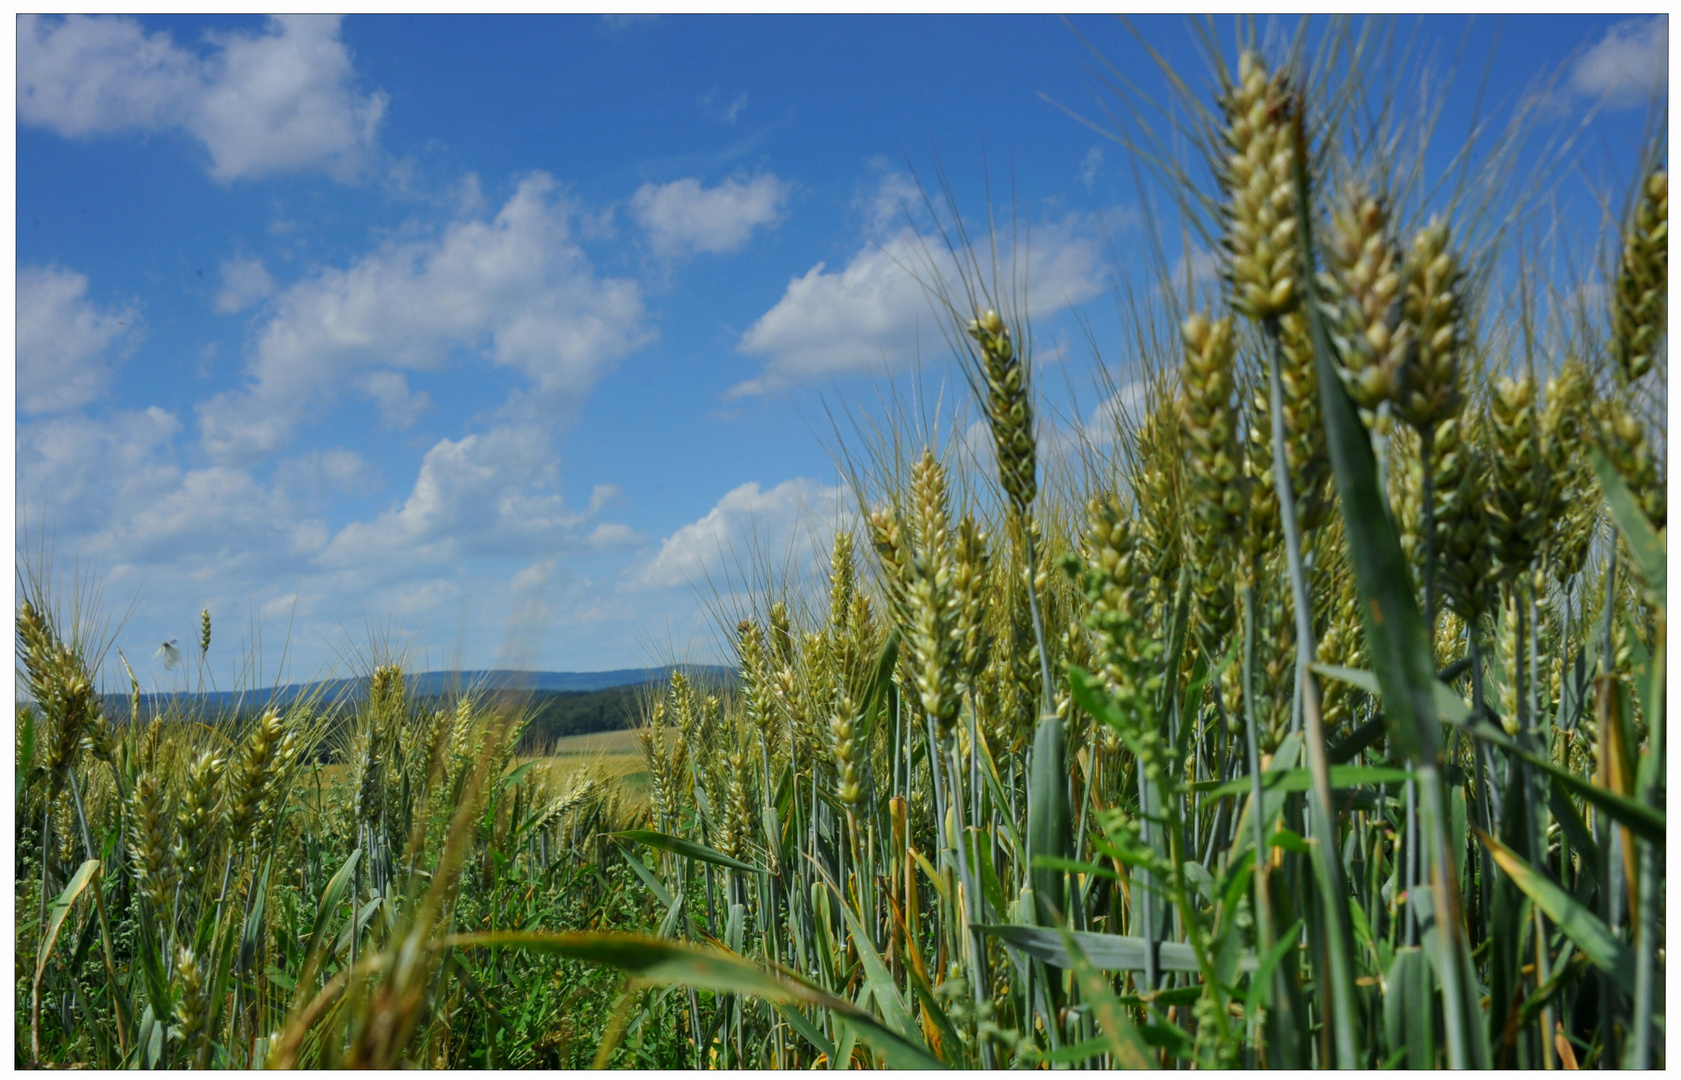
<point>1325,856</point>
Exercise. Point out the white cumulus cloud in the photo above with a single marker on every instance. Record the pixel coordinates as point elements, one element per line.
<point>1627,65</point>
<point>746,521</point>
<point>515,289</point>
<point>278,101</point>
<point>113,490</point>
<point>78,473</point>
<point>683,218</point>
<point>872,314</point>
<point>67,346</point>
<point>490,494</point>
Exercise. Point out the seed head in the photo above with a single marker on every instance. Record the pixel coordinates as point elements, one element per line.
<point>204,633</point>
<point>191,1008</point>
<point>1572,506</point>
<point>1343,642</point>
<point>38,646</point>
<point>1364,287</point>
<point>195,819</point>
<point>63,689</point>
<point>848,750</point>
<point>464,733</point>
<point>860,619</point>
<point>934,607</point>
<point>1516,497</point>
<point>148,840</point>
<point>1405,474</point>
<point>1262,234</point>
<point>1111,571</point>
<point>149,748</point>
<point>370,787</point>
<point>739,804</point>
<point>969,583</point>
<point>781,636</point>
<point>1429,391</point>
<point>1623,439</point>
<point>756,692</point>
<point>1464,557</point>
<point>1157,472</point>
<point>1009,409</point>
<point>433,749</point>
<point>841,583</point>
<point>661,774</point>
<point>254,772</point>
<point>1638,311</point>
<point>100,740</point>
<point>387,698</point>
<point>558,808</point>
<point>1214,483</point>
<point>1510,657</point>
<point>1275,674</point>
<point>1016,665</point>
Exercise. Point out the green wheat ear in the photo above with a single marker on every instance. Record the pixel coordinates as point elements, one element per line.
<point>1214,485</point>
<point>1464,558</point>
<point>195,817</point>
<point>1157,473</point>
<point>253,773</point>
<point>1112,572</point>
<point>1363,288</point>
<point>149,841</point>
<point>1429,391</point>
<point>191,1007</point>
<point>1515,495</point>
<point>1009,409</point>
<point>1639,311</point>
<point>1262,233</point>
<point>1572,509</point>
<point>935,641</point>
<point>969,580</point>
<point>1623,438</point>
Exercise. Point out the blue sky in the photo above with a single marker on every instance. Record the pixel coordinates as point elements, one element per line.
<point>492,337</point>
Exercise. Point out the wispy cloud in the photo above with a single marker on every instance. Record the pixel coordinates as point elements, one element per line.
<point>1090,167</point>
<point>724,111</point>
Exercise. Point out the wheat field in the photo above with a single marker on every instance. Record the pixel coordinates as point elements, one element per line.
<point>1317,720</point>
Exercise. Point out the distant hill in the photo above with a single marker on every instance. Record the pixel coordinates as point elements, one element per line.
<point>558,714</point>
<point>541,684</point>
